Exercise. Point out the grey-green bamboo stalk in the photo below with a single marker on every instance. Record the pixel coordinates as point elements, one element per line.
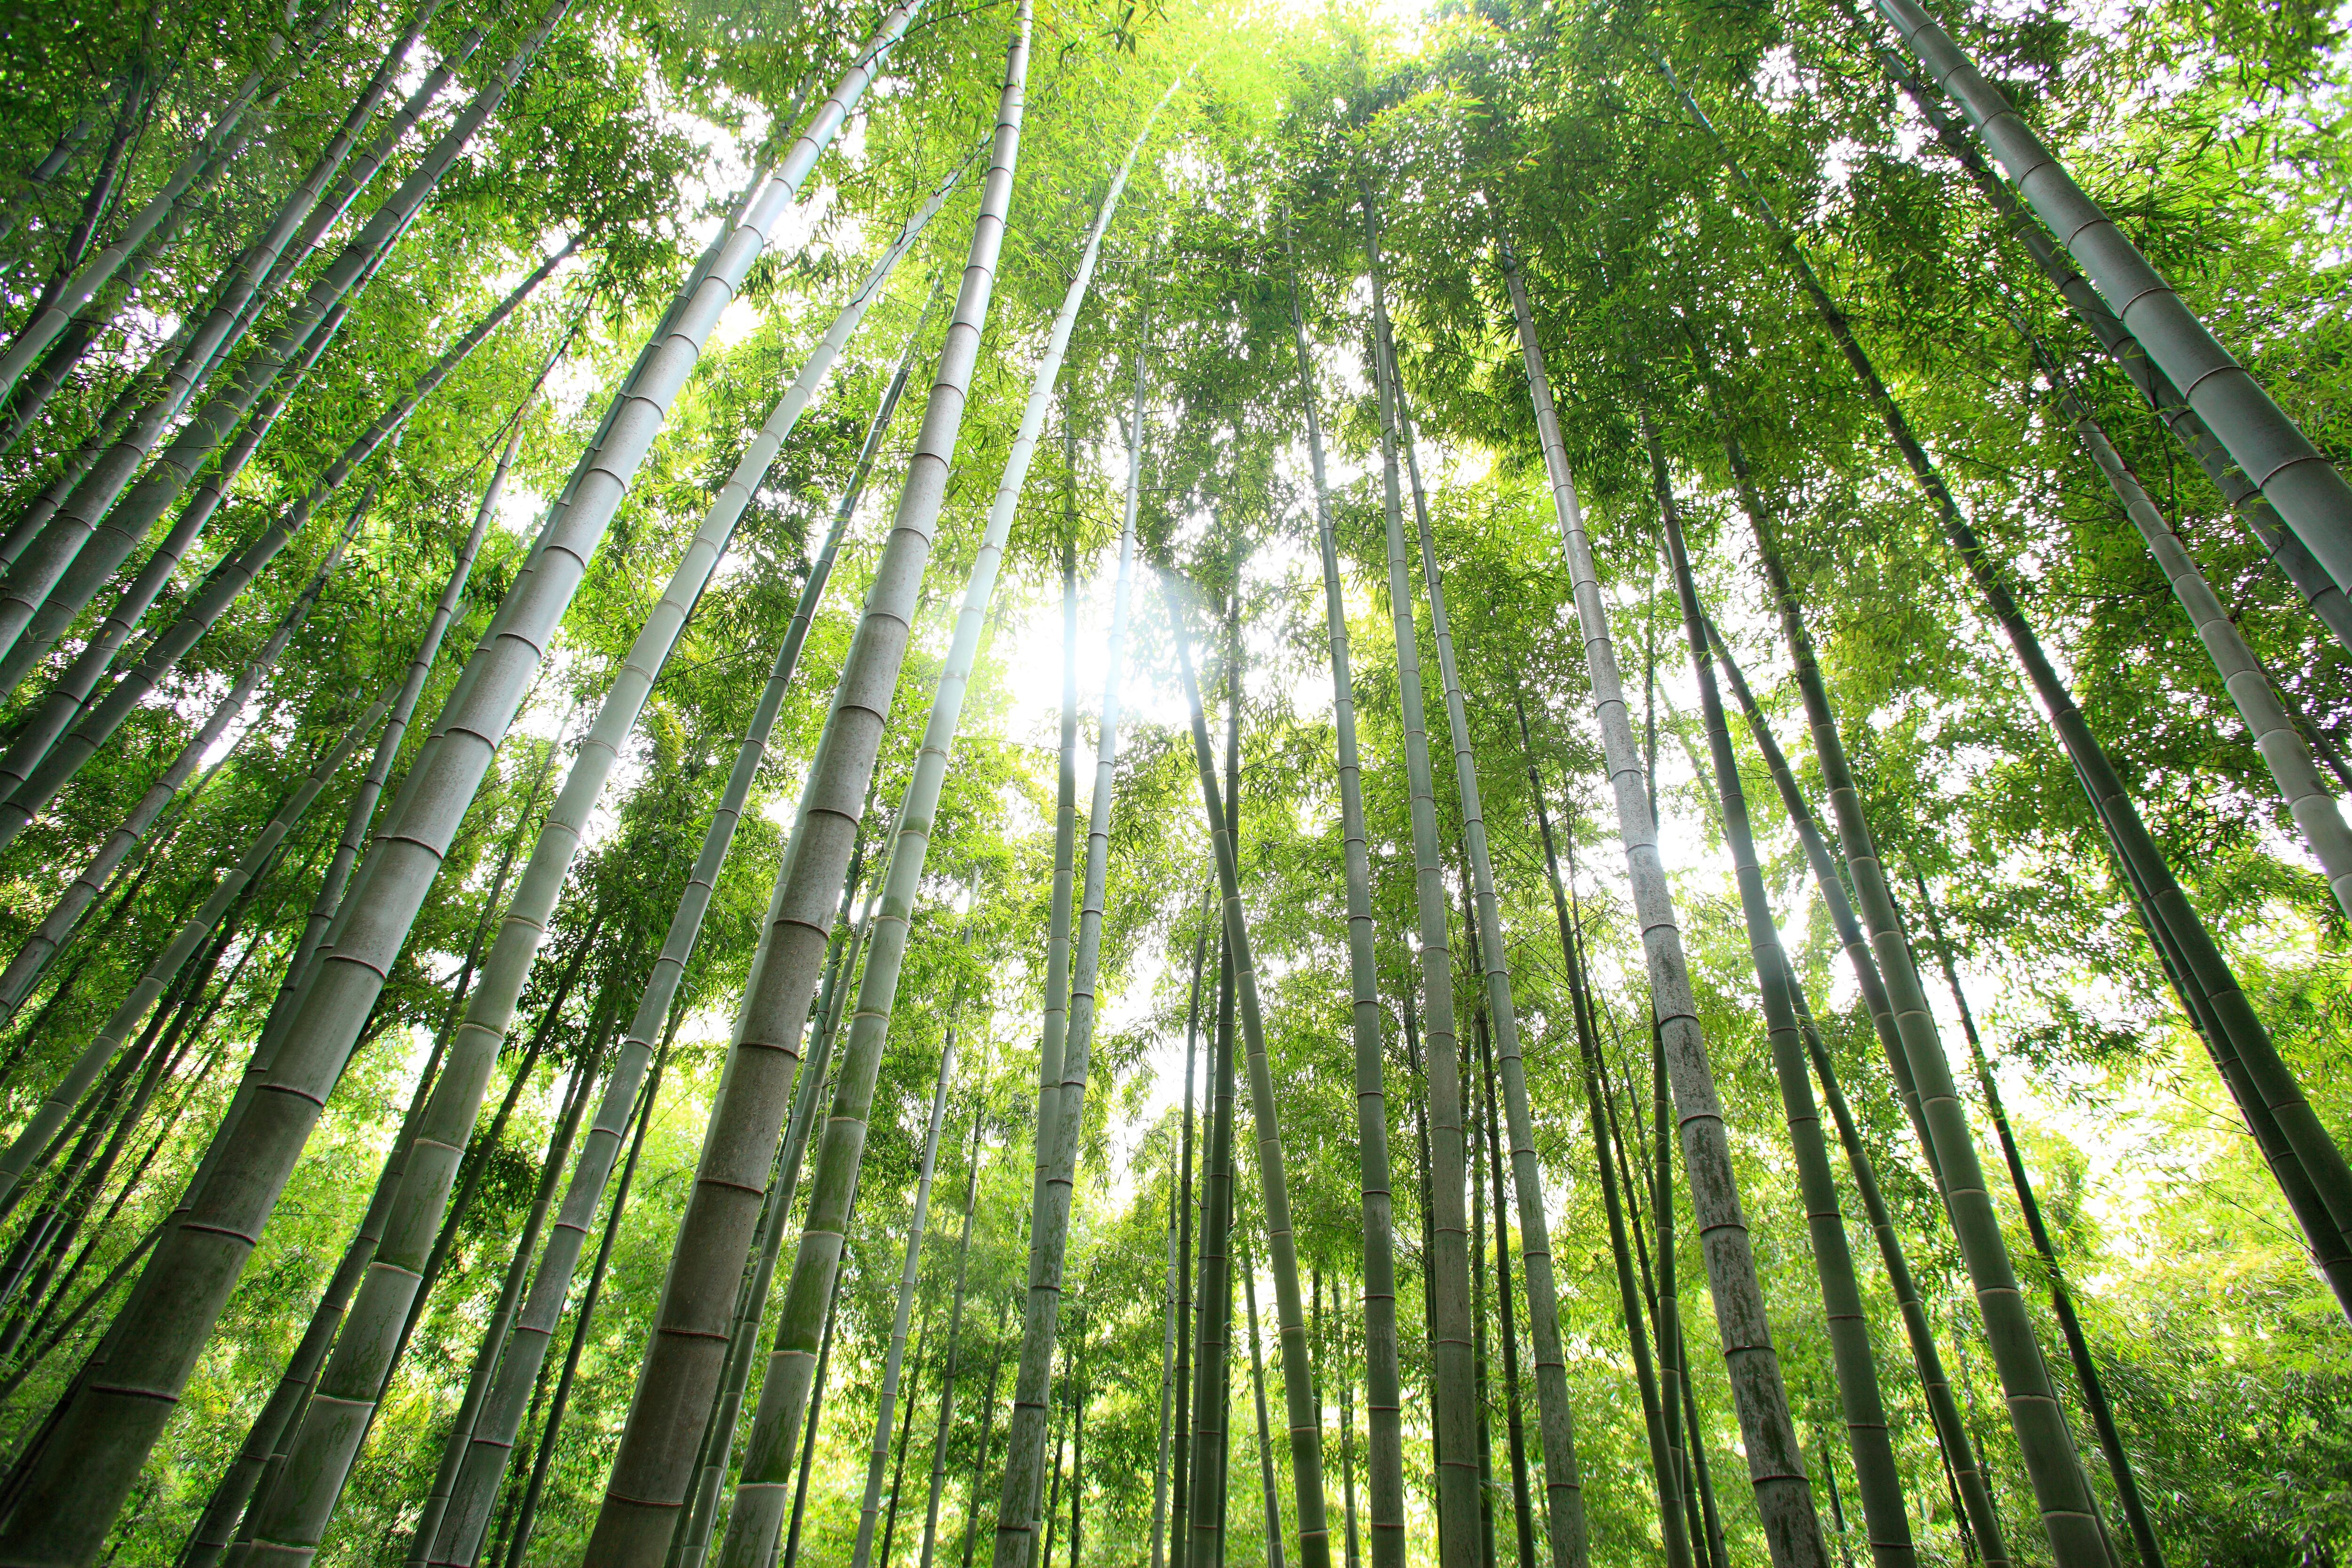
<point>1776,1464</point>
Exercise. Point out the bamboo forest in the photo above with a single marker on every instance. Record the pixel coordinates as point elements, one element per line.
<point>1052,784</point>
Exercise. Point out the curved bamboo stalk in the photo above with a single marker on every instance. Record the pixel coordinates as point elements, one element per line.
<point>1792,1531</point>
<point>1885,1510</point>
<point>652,1472</point>
<point>1383,1388</point>
<point>1448,1266</point>
<point>162,1330</point>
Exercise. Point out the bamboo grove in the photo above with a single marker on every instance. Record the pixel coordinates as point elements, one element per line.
<point>1163,784</point>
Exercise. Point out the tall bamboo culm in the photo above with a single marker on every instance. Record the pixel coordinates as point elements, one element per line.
<point>475,1490</point>
<point>2303,1156</point>
<point>1063,1062</point>
<point>1884,1510</point>
<point>653,1471</point>
<point>1673,1530</point>
<point>1776,1464</point>
<point>342,1409</point>
<point>2298,479</point>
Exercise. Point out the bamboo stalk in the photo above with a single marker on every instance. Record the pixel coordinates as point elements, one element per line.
<point>1775,1465</point>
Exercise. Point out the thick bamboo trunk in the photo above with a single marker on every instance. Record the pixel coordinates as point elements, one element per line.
<point>75,1080</point>
<point>392,1285</point>
<point>218,1525</point>
<point>691,1542</point>
<point>22,970</point>
<point>1673,1532</point>
<point>1884,1510</point>
<point>164,1327</point>
<point>1454,1434</point>
<point>1775,1465</point>
<point>361,810</point>
<point>2298,479</point>
<point>886,1398</point>
<point>758,1495</point>
<point>652,1473</point>
<point>2295,564</point>
<point>1383,1397</point>
<point>1952,1435</point>
<point>51,746</point>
